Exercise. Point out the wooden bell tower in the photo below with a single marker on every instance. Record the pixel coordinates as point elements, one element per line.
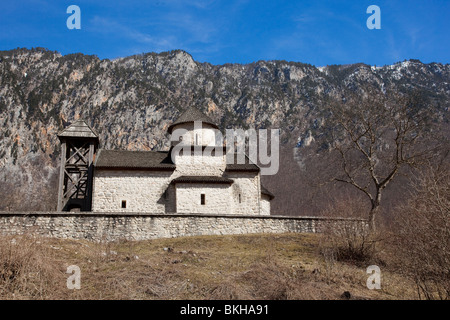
<point>78,146</point>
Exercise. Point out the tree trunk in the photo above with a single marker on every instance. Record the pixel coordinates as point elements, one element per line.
<point>373,211</point>
<point>371,219</point>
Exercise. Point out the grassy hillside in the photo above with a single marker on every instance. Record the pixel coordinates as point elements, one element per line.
<point>286,266</point>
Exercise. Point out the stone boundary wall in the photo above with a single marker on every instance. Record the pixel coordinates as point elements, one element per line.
<point>101,226</point>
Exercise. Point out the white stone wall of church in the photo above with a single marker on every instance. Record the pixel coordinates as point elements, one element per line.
<point>198,165</point>
<point>205,136</point>
<point>265,205</point>
<point>143,191</point>
<point>217,198</point>
<point>248,186</point>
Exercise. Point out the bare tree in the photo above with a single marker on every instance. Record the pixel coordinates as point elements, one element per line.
<point>371,137</point>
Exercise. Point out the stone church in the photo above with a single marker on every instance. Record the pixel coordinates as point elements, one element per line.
<point>161,182</point>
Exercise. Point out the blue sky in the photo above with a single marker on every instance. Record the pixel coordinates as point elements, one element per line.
<point>319,32</point>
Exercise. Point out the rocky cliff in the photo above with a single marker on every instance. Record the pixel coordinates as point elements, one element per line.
<point>130,102</point>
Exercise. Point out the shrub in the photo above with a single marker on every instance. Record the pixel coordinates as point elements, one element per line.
<point>423,234</point>
<point>346,235</point>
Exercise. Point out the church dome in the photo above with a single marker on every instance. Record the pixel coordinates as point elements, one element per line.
<point>189,116</point>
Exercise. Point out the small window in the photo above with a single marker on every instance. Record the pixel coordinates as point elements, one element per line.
<point>240,200</point>
<point>124,204</point>
<point>202,199</point>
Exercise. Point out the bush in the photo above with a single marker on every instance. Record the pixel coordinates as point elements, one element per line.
<point>346,235</point>
<point>423,235</point>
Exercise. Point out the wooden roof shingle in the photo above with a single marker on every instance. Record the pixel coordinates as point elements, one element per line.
<point>124,159</point>
<point>235,166</point>
<point>78,129</point>
<point>267,192</point>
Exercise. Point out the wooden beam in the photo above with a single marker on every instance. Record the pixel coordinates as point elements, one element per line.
<point>61,176</point>
<point>77,152</point>
<point>90,178</point>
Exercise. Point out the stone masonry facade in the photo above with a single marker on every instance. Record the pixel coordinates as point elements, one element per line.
<point>143,191</point>
<point>152,191</point>
<point>138,226</point>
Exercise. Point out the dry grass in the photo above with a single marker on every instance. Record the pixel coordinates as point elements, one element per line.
<point>285,266</point>
<point>28,269</point>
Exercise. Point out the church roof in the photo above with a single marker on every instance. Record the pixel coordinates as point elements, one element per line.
<point>202,179</point>
<point>267,192</point>
<point>160,160</point>
<point>124,159</point>
<point>155,160</point>
<point>78,129</point>
<point>190,115</point>
<point>246,166</point>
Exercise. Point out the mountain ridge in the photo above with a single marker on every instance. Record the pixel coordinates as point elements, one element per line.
<point>130,102</point>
